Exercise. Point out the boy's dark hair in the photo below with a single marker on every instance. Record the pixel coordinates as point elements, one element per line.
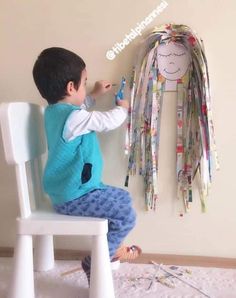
<point>52,71</point>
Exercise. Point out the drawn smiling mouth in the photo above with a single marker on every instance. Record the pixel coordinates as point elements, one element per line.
<point>172,72</point>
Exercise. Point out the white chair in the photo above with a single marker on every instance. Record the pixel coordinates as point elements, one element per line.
<point>24,144</point>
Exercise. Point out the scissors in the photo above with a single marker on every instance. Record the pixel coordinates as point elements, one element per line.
<point>120,94</point>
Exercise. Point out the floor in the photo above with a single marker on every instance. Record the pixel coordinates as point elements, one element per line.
<point>132,281</point>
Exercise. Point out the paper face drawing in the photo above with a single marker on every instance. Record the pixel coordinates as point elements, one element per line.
<point>173,63</point>
<point>172,58</point>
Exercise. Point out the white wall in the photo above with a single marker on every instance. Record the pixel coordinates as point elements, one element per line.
<point>90,29</point>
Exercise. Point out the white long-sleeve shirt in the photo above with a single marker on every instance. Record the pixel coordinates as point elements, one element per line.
<point>81,121</point>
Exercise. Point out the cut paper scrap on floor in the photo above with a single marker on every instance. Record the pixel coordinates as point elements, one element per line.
<point>172,58</point>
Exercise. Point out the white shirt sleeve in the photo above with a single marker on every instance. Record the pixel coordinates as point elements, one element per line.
<point>81,122</point>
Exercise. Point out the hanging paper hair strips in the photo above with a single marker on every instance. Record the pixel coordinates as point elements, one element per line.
<point>195,146</point>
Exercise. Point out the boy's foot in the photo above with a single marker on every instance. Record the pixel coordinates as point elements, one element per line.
<point>86,266</point>
<point>123,253</point>
<point>127,253</point>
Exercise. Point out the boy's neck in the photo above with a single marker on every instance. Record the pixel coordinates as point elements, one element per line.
<point>70,100</point>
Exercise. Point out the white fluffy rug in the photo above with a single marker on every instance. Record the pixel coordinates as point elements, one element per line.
<point>131,281</point>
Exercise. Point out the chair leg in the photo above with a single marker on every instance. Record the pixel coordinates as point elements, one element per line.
<point>43,253</point>
<point>101,282</point>
<point>22,283</point>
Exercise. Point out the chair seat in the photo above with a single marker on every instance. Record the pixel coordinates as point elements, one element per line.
<point>47,222</point>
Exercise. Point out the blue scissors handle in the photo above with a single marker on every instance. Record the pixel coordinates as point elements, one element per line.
<point>120,94</point>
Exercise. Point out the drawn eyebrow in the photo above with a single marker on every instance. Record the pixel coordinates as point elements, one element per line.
<point>162,55</point>
<point>168,55</point>
<point>184,53</point>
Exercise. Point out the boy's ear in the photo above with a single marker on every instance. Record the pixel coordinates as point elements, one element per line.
<point>70,88</point>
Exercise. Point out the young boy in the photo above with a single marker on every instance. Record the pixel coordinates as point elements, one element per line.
<point>72,175</point>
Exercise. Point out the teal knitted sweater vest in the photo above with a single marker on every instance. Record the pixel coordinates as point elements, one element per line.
<point>74,167</point>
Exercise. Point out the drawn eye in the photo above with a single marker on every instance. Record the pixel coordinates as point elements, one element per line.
<point>182,54</point>
<point>162,55</point>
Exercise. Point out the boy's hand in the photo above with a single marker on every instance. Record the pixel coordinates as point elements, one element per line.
<point>100,87</point>
<point>123,103</point>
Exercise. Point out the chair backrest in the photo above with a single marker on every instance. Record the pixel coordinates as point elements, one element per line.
<point>24,143</point>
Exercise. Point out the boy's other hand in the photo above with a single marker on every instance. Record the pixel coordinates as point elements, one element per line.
<point>100,87</point>
<point>123,103</point>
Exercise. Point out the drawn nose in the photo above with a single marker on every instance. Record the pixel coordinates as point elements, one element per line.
<point>172,62</point>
